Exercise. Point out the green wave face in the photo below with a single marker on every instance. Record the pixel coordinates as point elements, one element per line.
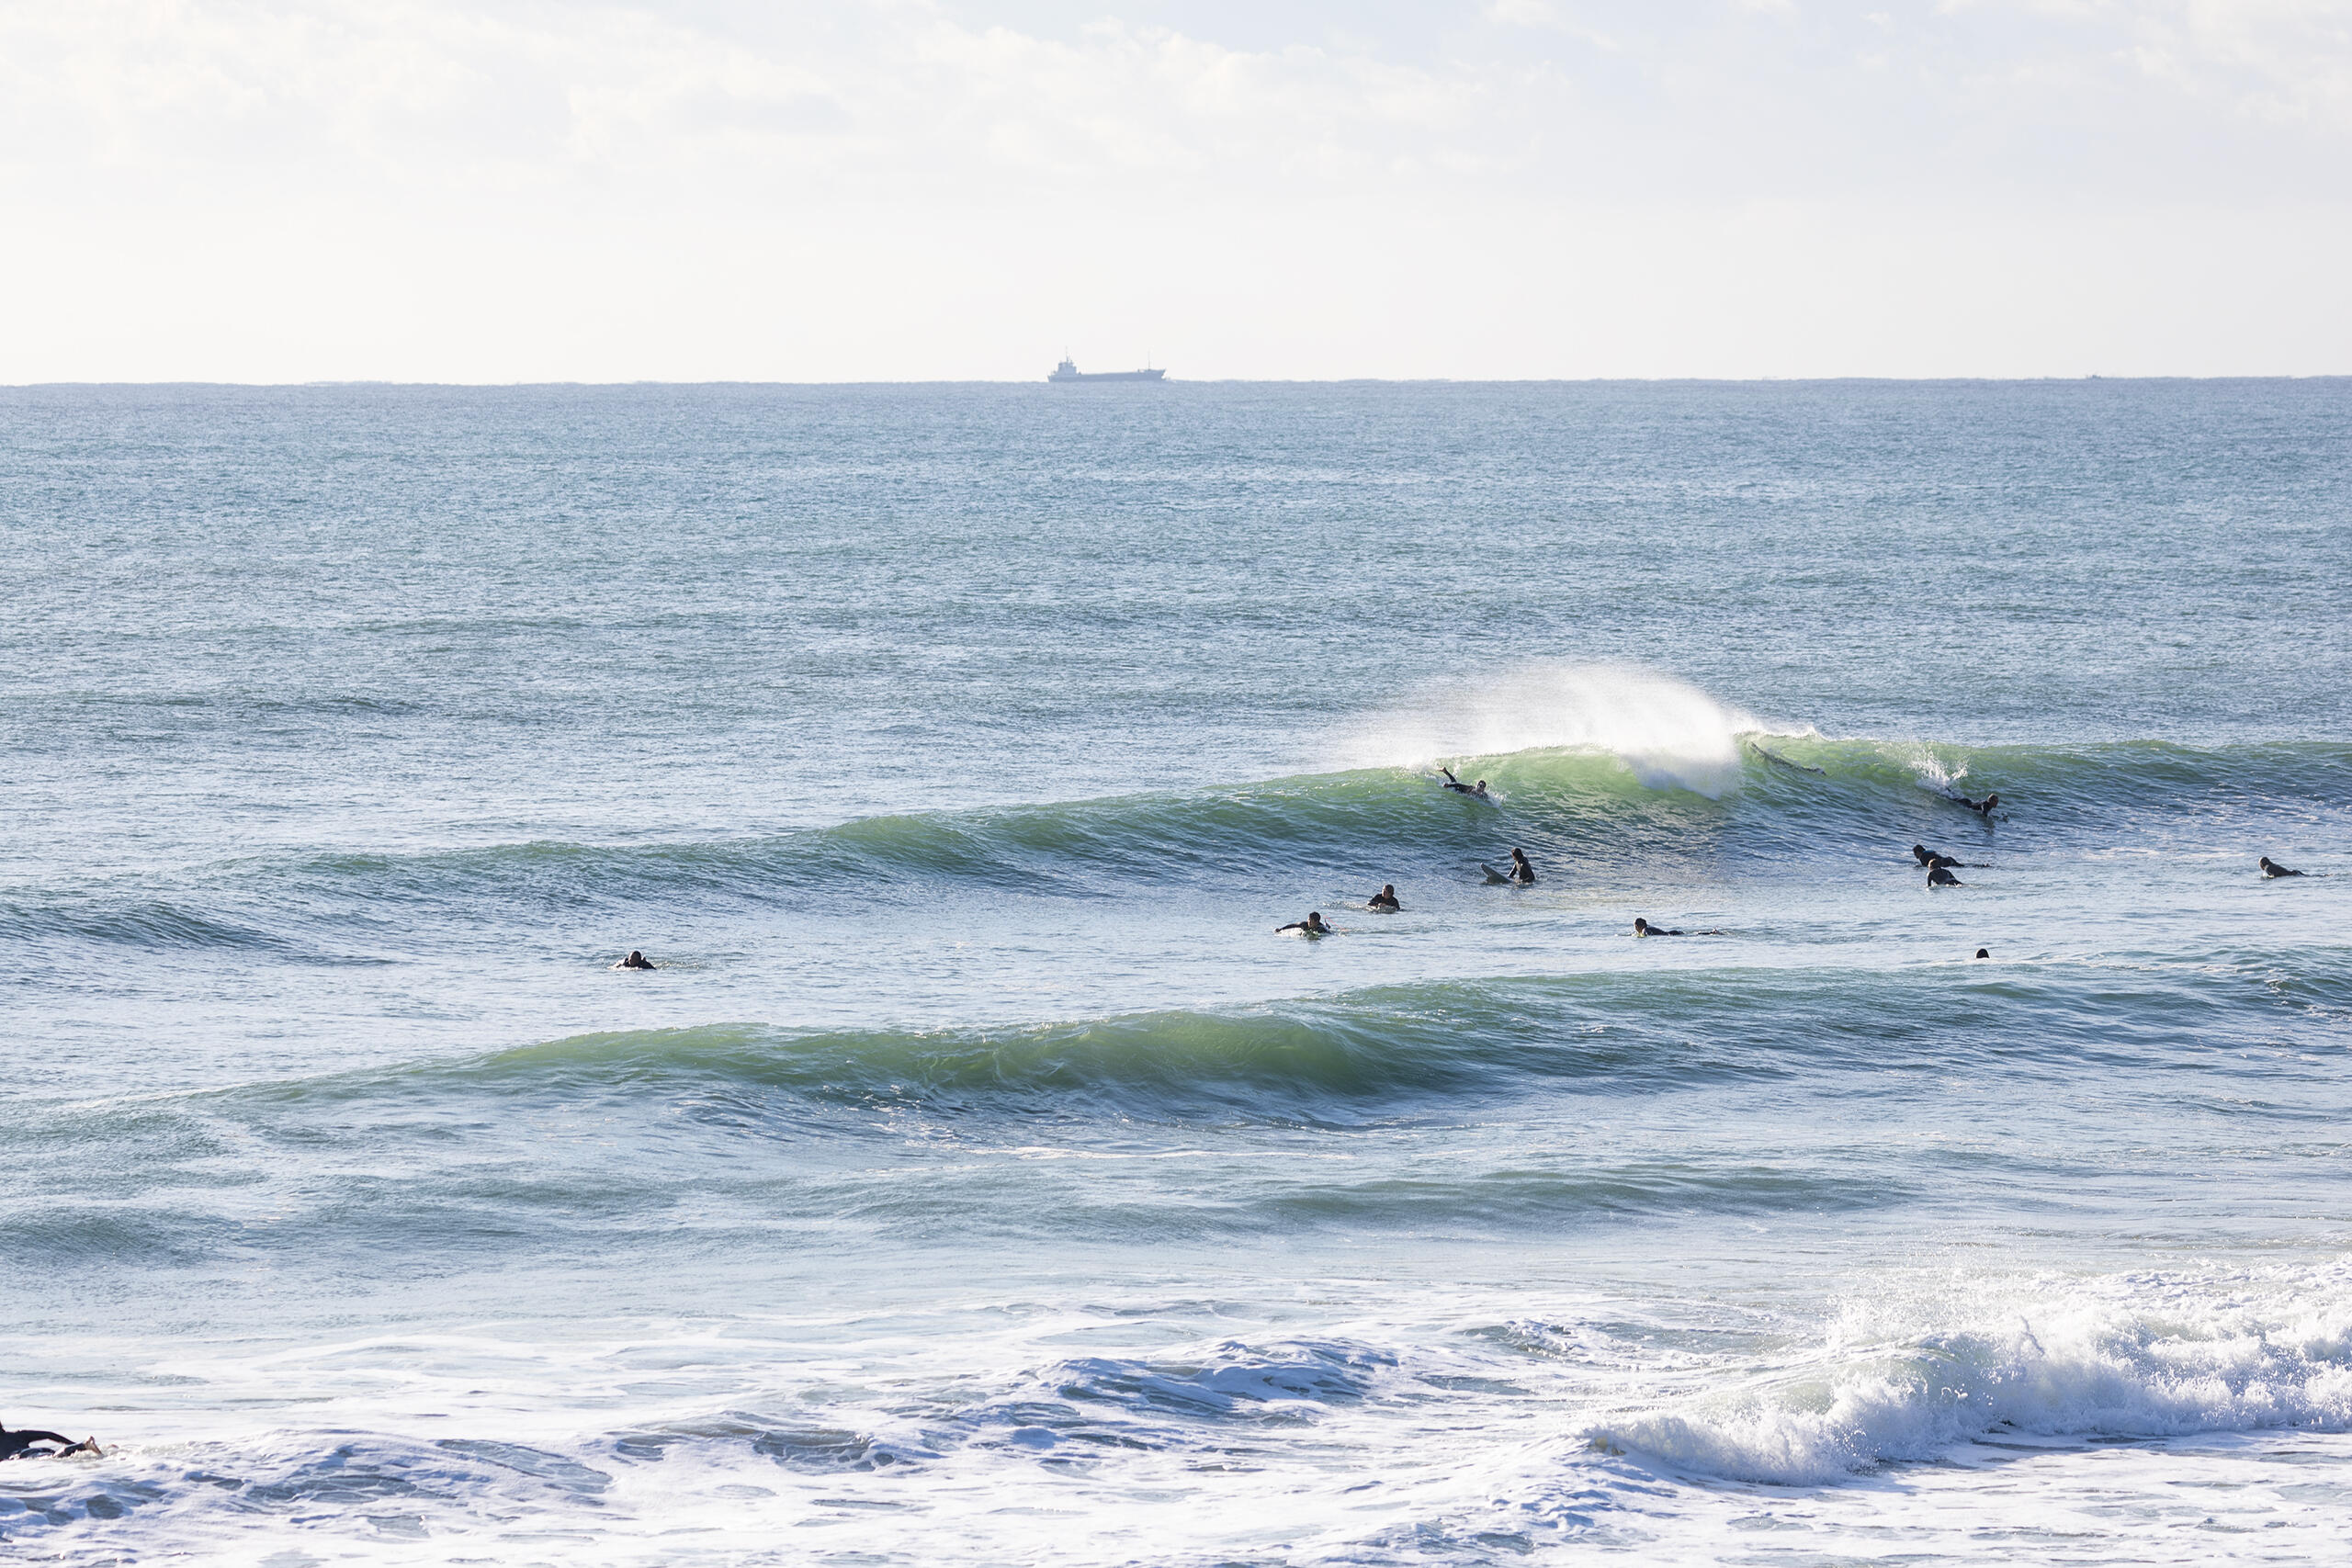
<point>1795,798</point>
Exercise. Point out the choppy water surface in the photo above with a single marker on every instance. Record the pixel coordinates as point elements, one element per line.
<point>981,1179</point>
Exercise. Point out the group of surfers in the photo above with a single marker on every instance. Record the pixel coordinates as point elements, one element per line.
<point>1522,875</point>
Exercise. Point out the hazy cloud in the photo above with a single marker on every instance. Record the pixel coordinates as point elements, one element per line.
<point>521,118</point>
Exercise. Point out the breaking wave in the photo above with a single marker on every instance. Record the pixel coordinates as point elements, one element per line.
<point>1789,799</point>
<point>2144,1356</point>
<point>1667,733</point>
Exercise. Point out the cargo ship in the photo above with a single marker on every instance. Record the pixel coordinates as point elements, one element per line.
<point>1067,370</point>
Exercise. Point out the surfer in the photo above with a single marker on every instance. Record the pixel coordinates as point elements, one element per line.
<point>1941,876</point>
<point>1933,858</point>
<point>2272,868</point>
<point>1521,873</point>
<point>1385,899</point>
<point>20,1445</point>
<point>1643,928</point>
<point>634,960</point>
<point>1981,808</point>
<point>1311,926</point>
<point>1984,953</point>
<point>1477,791</point>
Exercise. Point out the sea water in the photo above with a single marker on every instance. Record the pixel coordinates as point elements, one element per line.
<point>979,1177</point>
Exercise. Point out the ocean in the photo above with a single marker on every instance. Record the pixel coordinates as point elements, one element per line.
<point>979,1177</point>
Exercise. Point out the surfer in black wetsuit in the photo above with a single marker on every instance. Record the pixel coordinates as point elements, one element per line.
<point>1478,791</point>
<point>1311,926</point>
<point>1932,858</point>
<point>2272,868</point>
<point>1941,876</point>
<point>1385,899</point>
<point>1643,928</point>
<point>1981,808</point>
<point>20,1445</point>
<point>634,960</point>
<point>1521,873</point>
<point>1984,953</point>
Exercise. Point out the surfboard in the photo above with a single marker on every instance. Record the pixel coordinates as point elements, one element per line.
<point>1770,756</point>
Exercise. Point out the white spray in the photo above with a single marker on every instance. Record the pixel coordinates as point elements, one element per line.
<point>1671,734</point>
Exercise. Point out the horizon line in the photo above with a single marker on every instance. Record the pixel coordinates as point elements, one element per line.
<point>325,383</point>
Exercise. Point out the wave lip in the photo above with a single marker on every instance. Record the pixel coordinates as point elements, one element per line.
<point>1668,732</point>
<point>2193,1359</point>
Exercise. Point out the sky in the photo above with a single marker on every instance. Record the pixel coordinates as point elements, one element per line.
<point>526,190</point>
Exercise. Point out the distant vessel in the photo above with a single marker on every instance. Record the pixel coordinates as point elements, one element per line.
<point>1067,370</point>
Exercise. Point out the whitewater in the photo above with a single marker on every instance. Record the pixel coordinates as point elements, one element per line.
<point>979,1177</point>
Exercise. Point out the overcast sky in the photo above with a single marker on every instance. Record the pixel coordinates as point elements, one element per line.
<point>918,189</point>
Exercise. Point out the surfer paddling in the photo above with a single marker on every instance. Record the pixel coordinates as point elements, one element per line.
<point>2271,868</point>
<point>26,1444</point>
<point>1933,858</point>
<point>1384,900</point>
<point>1643,928</point>
<point>1311,926</point>
<point>1477,790</point>
<point>634,960</point>
<point>1941,876</point>
<point>1981,808</point>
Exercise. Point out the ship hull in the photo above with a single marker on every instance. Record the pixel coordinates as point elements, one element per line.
<point>1106,374</point>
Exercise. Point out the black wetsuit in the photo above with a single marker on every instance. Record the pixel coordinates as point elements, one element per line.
<point>1932,858</point>
<point>1940,878</point>
<point>2271,868</point>
<point>16,1445</point>
<point>1459,787</point>
<point>1383,903</point>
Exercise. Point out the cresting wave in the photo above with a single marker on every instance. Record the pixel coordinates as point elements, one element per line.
<point>1794,800</point>
<point>2150,1355</point>
<point>1667,733</point>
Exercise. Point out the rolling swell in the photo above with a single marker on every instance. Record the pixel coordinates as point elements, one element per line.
<point>1429,1049</point>
<point>1266,1120</point>
<point>1797,800</point>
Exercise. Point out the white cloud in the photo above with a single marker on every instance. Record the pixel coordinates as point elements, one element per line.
<point>2287,61</point>
<point>1524,13</point>
<point>867,167</point>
